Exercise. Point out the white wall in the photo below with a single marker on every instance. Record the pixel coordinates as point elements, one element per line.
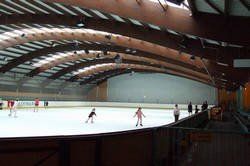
<point>159,88</point>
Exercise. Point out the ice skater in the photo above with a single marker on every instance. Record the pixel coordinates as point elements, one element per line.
<point>36,105</point>
<point>46,104</point>
<point>14,108</point>
<point>91,116</point>
<point>10,106</point>
<point>190,108</point>
<point>176,113</point>
<point>139,115</point>
<point>196,109</point>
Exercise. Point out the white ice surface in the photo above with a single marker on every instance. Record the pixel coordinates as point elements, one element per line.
<point>71,121</point>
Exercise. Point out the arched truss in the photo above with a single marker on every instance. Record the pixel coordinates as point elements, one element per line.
<point>55,34</point>
<point>37,34</point>
<point>144,33</point>
<point>78,34</point>
<point>71,46</point>
<point>194,45</point>
<point>88,46</point>
<point>126,59</point>
<point>74,56</point>
<point>112,66</point>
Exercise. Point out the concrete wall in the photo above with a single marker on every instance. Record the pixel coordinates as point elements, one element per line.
<point>159,88</point>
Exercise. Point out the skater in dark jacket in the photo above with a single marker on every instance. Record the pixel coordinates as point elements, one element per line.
<point>91,116</point>
<point>190,108</point>
<point>196,109</point>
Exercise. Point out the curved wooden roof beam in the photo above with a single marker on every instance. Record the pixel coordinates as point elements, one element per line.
<point>72,56</point>
<point>36,34</point>
<point>164,38</point>
<point>77,66</point>
<point>88,63</point>
<point>102,47</point>
<point>112,66</point>
<point>204,26</point>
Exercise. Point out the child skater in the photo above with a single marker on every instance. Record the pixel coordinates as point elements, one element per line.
<point>10,106</point>
<point>36,105</point>
<point>196,109</point>
<point>139,115</point>
<point>14,105</point>
<point>91,115</point>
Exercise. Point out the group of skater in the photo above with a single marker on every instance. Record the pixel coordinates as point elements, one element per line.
<point>190,109</point>
<point>13,104</point>
<point>139,114</point>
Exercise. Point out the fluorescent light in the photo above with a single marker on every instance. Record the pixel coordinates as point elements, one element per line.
<point>222,64</point>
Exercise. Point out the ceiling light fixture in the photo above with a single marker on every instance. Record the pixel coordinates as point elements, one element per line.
<point>81,23</point>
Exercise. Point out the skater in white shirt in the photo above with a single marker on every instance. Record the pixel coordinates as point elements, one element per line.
<point>176,113</point>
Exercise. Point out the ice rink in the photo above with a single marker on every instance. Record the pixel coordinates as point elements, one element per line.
<point>71,121</point>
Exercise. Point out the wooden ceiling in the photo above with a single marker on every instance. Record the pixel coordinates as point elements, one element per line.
<point>201,46</point>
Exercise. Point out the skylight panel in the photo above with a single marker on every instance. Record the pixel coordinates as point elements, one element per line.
<point>24,8</point>
<point>50,26</point>
<point>135,22</point>
<point>16,26</point>
<point>16,50</point>
<point>5,12</point>
<point>154,27</point>
<point>25,48</point>
<point>65,9</point>
<point>10,8</point>
<point>33,45</point>
<point>37,25</point>
<point>172,4</point>
<point>41,43</point>
<point>99,14</point>
<point>9,54</point>
<point>35,7</point>
<point>6,27</point>
<point>47,6</point>
<point>27,26</point>
<point>173,32</point>
<point>82,11</point>
<point>116,17</point>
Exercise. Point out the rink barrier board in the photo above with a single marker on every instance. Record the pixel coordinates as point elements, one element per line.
<point>62,104</point>
<point>166,145</point>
